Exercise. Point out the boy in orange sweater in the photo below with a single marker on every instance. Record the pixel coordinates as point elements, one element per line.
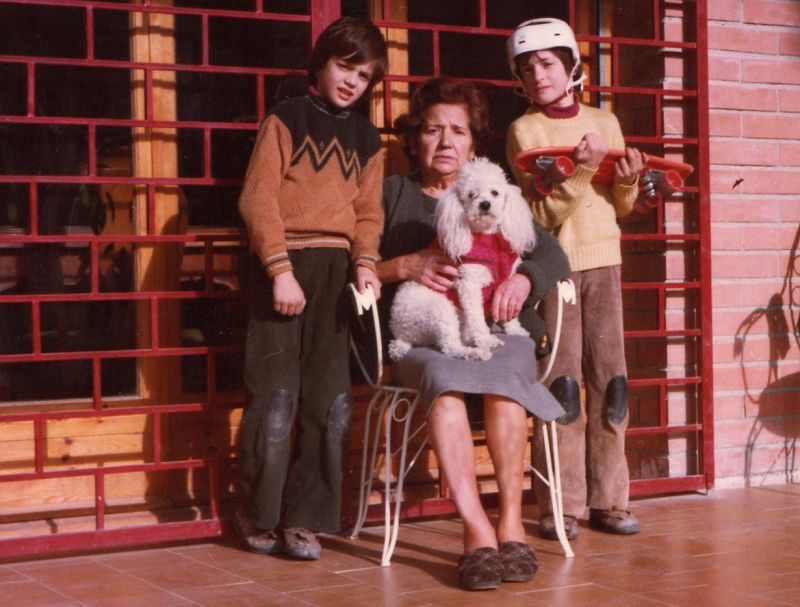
<point>311,203</point>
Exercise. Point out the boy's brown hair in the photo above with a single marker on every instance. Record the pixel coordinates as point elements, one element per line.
<point>354,39</point>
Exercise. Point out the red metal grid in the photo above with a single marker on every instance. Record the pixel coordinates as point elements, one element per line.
<point>321,12</point>
<point>695,98</point>
<point>98,407</point>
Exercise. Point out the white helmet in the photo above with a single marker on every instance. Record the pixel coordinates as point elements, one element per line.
<point>541,34</point>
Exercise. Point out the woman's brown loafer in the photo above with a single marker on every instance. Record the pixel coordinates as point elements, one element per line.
<point>519,561</point>
<point>480,569</point>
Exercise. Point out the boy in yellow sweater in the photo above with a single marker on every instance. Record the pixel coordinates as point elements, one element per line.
<point>544,56</point>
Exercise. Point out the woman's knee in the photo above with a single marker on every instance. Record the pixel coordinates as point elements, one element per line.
<point>448,403</point>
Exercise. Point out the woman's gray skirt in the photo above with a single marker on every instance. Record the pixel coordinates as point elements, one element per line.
<point>510,373</point>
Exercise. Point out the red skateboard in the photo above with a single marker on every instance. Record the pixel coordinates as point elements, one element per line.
<point>550,166</point>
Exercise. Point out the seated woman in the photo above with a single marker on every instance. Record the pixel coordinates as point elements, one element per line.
<point>447,125</point>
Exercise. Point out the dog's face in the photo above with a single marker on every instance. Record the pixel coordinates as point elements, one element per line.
<point>483,192</point>
<point>483,202</point>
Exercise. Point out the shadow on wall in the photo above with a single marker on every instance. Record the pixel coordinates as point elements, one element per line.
<point>777,401</point>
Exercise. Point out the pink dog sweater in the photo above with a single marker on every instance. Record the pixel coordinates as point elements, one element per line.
<point>493,251</point>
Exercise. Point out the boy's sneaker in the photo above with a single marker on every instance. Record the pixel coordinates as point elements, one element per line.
<point>547,527</point>
<point>620,522</point>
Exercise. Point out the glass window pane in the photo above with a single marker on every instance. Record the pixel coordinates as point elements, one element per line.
<point>213,206</point>
<point>14,87</point>
<point>14,205</point>
<point>96,325</point>
<point>49,380</point>
<point>276,44</point>
<point>28,30</point>
<point>44,149</point>
<point>230,152</point>
<point>81,91</point>
<point>216,97</point>
<point>112,35</point>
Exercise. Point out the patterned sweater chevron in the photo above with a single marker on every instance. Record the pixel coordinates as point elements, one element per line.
<point>314,180</point>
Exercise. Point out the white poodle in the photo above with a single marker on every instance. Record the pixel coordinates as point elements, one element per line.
<point>484,225</point>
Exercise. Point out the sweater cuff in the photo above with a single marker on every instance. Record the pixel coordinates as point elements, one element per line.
<point>581,178</point>
<point>537,279</point>
<point>368,261</point>
<point>277,264</point>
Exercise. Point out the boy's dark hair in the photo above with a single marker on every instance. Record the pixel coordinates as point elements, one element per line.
<point>452,92</point>
<point>564,55</point>
<point>355,39</point>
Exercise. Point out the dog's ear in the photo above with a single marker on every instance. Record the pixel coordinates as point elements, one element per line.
<point>452,225</point>
<point>516,223</point>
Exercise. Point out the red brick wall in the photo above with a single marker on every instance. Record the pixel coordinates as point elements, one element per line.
<point>754,63</point>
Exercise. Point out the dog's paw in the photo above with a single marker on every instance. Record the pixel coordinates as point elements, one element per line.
<point>513,327</point>
<point>482,354</point>
<point>398,349</point>
<point>488,342</point>
<point>468,353</point>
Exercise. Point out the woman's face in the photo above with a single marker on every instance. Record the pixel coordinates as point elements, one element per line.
<point>444,141</point>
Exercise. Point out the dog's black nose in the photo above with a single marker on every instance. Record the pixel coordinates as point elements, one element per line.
<point>484,205</point>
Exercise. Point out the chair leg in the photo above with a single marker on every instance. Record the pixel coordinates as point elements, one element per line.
<point>554,484</point>
<point>392,528</point>
<point>378,403</point>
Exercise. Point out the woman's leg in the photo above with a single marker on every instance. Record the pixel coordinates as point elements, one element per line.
<point>507,439</point>
<point>451,439</point>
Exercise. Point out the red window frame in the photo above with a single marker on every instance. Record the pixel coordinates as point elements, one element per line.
<point>320,14</point>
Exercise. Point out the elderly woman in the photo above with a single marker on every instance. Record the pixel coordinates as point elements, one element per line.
<point>446,126</point>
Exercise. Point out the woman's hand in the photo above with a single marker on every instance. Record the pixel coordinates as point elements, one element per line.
<point>590,151</point>
<point>366,276</point>
<point>287,294</point>
<point>627,168</point>
<point>509,297</point>
<point>431,268</point>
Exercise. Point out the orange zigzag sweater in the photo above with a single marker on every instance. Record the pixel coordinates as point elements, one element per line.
<point>314,180</point>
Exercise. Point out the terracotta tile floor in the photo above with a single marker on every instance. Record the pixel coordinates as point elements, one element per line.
<point>735,547</point>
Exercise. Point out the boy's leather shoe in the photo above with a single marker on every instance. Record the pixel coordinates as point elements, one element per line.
<point>257,540</point>
<point>620,522</point>
<point>547,527</point>
<point>300,543</point>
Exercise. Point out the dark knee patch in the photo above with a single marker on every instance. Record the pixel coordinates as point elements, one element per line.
<point>567,391</point>
<point>278,415</point>
<point>617,399</point>
<point>339,416</point>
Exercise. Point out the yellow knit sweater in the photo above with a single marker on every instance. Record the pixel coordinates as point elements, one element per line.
<point>582,215</point>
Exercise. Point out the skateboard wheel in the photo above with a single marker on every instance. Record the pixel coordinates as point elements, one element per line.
<point>669,183</point>
<point>563,167</point>
<point>543,185</point>
<point>644,203</point>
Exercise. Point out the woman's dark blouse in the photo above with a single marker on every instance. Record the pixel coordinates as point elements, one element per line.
<point>409,226</point>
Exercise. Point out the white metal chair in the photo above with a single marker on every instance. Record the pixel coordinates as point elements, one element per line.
<point>393,405</point>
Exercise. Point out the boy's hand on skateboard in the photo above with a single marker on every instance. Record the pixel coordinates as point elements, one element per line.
<point>287,294</point>
<point>590,151</point>
<point>627,168</point>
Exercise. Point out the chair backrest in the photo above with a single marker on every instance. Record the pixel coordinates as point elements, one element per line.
<point>365,335</point>
<point>566,294</point>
